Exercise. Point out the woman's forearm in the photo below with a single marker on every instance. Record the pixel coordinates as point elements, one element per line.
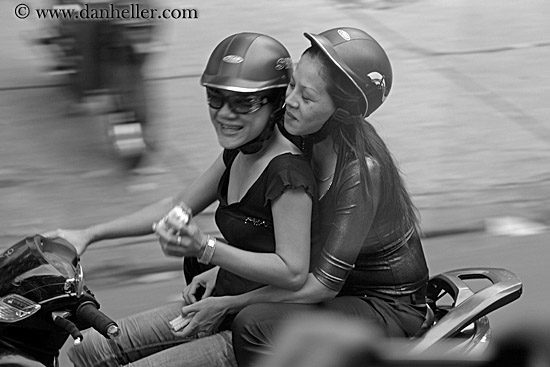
<point>312,292</point>
<point>197,196</point>
<point>136,224</point>
<point>264,268</point>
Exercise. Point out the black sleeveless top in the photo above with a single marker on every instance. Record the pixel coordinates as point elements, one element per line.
<point>248,224</point>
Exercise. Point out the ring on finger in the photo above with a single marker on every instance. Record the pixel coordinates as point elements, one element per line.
<point>178,240</point>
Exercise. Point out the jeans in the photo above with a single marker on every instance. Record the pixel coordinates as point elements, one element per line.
<point>255,327</point>
<point>146,340</point>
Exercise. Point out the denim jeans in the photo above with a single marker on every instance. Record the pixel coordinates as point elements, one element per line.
<point>255,327</point>
<point>146,340</point>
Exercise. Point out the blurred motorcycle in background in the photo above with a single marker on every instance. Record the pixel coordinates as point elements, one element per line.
<point>101,55</point>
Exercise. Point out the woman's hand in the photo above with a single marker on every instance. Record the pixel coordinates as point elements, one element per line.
<point>205,315</point>
<point>188,241</point>
<point>80,239</point>
<point>206,280</point>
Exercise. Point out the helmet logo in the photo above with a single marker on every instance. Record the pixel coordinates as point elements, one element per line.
<point>379,81</point>
<point>345,35</point>
<point>233,59</point>
<point>283,63</point>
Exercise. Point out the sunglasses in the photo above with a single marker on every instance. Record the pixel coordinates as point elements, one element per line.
<point>238,103</point>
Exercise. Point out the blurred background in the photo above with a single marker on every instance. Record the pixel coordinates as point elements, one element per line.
<point>467,120</point>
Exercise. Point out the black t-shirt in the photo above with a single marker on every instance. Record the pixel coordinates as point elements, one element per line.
<point>248,224</point>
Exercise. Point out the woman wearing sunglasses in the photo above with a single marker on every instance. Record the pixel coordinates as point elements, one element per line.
<point>265,188</point>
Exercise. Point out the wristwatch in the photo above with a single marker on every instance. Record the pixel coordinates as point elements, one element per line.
<point>208,252</point>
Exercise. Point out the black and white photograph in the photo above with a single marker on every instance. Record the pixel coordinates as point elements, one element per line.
<point>310,183</point>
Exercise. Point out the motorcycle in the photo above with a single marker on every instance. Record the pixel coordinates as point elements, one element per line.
<point>43,301</point>
<point>102,60</point>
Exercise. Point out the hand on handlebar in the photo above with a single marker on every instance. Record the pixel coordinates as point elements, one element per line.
<point>80,239</point>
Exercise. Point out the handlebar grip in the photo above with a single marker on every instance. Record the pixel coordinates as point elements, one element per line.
<point>88,313</point>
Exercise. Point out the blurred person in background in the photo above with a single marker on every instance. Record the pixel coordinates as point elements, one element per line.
<point>102,51</point>
<point>91,40</point>
<point>367,256</point>
<point>266,192</point>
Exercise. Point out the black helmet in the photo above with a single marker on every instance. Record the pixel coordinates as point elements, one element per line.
<point>361,58</point>
<point>248,62</point>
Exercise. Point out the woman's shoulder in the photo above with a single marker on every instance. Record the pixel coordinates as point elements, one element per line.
<point>282,149</point>
<point>291,160</point>
<point>289,171</point>
<point>352,166</point>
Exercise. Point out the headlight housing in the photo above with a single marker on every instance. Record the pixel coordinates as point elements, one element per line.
<point>14,308</point>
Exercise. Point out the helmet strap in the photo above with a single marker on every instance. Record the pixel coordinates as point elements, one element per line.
<point>339,117</point>
<point>256,144</point>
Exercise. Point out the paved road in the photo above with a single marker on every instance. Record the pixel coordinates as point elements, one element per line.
<point>467,121</point>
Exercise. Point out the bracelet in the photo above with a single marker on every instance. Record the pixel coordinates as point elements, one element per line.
<point>208,251</point>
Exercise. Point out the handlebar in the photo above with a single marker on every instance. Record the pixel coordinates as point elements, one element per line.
<point>88,313</point>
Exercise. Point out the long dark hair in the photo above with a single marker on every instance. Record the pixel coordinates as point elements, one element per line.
<point>355,137</point>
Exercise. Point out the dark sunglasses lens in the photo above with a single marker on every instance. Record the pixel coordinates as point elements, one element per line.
<point>244,104</point>
<point>215,100</point>
<point>241,104</point>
